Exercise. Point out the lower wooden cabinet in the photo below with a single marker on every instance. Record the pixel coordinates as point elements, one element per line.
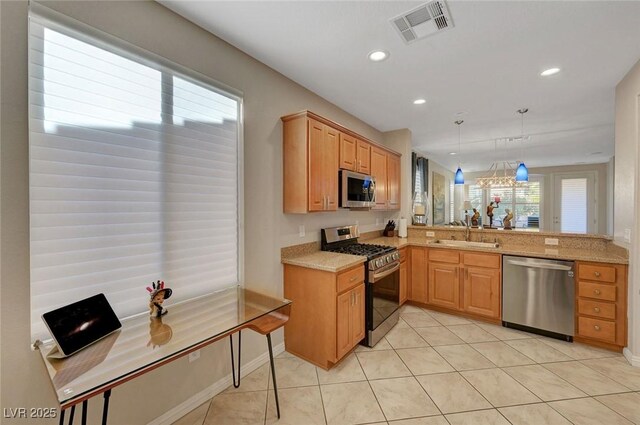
<point>482,291</point>
<point>456,280</point>
<point>601,304</point>
<point>327,313</point>
<point>403,282</point>
<point>418,274</point>
<point>444,285</point>
<point>350,319</point>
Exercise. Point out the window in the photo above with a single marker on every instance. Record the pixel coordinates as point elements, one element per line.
<point>524,201</point>
<point>134,176</point>
<point>452,215</point>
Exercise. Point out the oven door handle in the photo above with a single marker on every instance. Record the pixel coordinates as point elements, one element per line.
<point>386,272</point>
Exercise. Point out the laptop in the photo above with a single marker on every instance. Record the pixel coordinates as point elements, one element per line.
<point>80,324</point>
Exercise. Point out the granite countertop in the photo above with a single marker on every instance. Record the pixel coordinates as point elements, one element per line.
<point>551,252</point>
<point>333,262</point>
<point>327,261</point>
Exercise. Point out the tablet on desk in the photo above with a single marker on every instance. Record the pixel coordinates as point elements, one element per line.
<point>80,324</point>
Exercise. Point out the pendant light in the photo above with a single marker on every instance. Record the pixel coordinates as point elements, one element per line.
<point>459,178</point>
<point>522,173</point>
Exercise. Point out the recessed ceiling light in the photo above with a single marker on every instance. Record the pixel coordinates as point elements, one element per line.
<point>550,71</point>
<point>378,55</point>
<point>452,153</point>
<point>419,101</point>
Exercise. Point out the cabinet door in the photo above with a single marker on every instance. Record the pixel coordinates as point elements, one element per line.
<point>363,157</point>
<point>347,152</point>
<point>418,275</point>
<point>317,167</point>
<point>357,315</point>
<point>393,181</point>
<point>403,282</point>
<point>343,332</point>
<point>331,167</point>
<point>444,285</point>
<point>379,172</point>
<point>482,291</point>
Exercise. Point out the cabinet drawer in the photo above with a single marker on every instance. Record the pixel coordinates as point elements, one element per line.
<point>350,278</point>
<point>403,254</point>
<point>444,256</point>
<point>597,272</point>
<point>597,329</point>
<point>597,291</point>
<point>596,308</point>
<point>491,261</point>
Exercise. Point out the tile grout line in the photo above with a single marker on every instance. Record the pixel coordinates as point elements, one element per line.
<point>371,387</point>
<point>324,412</point>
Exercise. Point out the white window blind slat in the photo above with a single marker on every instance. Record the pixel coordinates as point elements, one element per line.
<point>133,177</point>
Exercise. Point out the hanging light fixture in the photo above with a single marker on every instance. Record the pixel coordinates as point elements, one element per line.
<point>522,173</point>
<point>459,178</point>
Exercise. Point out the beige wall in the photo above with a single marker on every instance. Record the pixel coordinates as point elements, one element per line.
<point>626,211</point>
<point>267,96</point>
<point>448,179</point>
<point>603,189</point>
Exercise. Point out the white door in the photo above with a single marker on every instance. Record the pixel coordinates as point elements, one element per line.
<point>574,203</point>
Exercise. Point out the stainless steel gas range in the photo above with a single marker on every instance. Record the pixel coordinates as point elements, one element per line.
<point>382,279</point>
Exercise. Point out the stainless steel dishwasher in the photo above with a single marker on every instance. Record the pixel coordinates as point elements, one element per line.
<point>538,295</point>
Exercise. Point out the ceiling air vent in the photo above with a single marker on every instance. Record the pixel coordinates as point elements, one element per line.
<point>423,21</point>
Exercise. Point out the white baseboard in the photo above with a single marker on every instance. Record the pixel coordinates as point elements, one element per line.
<point>217,387</point>
<point>633,360</point>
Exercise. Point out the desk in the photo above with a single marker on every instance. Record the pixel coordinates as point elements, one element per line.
<point>145,343</point>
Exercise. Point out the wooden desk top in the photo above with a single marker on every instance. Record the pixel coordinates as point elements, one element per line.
<point>145,343</point>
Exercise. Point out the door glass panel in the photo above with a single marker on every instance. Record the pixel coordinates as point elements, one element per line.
<point>573,205</point>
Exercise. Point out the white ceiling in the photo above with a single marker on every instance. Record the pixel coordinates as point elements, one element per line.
<point>488,66</point>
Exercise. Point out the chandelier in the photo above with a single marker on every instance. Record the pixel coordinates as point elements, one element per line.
<point>500,174</point>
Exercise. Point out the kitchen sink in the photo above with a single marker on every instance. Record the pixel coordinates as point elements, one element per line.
<point>463,244</point>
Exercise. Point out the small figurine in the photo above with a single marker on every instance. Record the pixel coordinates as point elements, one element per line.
<point>490,208</point>
<point>159,333</point>
<point>506,222</point>
<point>475,218</point>
<point>158,294</point>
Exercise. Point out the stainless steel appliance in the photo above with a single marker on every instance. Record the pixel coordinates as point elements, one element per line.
<point>356,190</point>
<point>538,295</point>
<point>382,279</point>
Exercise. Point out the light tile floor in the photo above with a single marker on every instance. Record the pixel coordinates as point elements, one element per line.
<point>438,369</point>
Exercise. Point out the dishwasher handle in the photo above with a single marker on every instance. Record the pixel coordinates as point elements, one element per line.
<point>549,266</point>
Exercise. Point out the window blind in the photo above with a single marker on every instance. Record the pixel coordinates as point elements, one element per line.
<point>134,177</point>
<point>573,210</point>
<point>527,205</point>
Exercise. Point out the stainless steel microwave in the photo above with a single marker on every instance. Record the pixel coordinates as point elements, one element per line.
<point>357,190</point>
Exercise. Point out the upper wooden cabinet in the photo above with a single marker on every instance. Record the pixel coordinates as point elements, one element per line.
<point>348,152</point>
<point>385,168</point>
<point>314,150</point>
<point>310,152</point>
<point>363,157</point>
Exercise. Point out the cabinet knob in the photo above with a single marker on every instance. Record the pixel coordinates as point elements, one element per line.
<point>596,327</point>
<point>352,279</point>
<point>596,309</point>
<point>596,291</point>
<point>597,274</point>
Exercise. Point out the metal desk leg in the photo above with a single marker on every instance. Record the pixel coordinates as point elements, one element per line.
<point>233,368</point>
<point>73,411</point>
<point>273,374</point>
<point>105,408</point>
<point>85,406</point>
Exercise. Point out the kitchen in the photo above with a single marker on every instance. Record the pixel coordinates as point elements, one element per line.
<point>267,228</point>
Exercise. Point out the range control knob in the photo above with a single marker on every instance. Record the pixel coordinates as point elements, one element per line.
<point>388,258</point>
<point>396,255</point>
